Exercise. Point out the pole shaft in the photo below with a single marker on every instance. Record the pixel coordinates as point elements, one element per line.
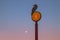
<point>36,31</point>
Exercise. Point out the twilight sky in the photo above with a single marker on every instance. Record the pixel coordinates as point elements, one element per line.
<point>16,23</point>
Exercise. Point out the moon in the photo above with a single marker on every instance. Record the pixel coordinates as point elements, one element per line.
<point>26,31</point>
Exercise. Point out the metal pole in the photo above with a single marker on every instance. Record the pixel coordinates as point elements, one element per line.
<point>36,30</point>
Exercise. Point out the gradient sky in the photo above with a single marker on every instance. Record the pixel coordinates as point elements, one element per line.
<point>16,23</point>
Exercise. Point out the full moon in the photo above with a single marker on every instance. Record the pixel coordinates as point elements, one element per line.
<point>26,31</point>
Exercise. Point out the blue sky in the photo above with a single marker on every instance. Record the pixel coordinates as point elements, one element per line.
<point>15,15</point>
<point>20,11</point>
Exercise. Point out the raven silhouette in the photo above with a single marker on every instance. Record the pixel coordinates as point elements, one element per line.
<point>34,8</point>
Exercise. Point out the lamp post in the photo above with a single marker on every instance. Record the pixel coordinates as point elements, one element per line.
<point>36,16</point>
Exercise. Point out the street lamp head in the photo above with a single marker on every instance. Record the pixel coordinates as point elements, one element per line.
<point>36,16</point>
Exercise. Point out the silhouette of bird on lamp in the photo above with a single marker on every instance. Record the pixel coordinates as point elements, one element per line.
<point>34,8</point>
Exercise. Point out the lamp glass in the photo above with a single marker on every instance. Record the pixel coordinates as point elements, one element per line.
<point>36,16</point>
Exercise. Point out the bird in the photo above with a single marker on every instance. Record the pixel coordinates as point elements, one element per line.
<point>34,8</point>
